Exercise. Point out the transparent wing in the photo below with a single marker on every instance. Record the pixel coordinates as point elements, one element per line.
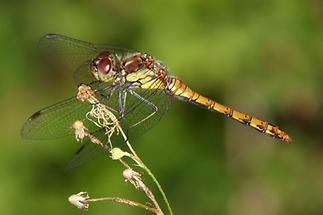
<point>68,45</point>
<point>88,151</point>
<point>74,55</point>
<point>61,53</point>
<point>137,111</point>
<point>55,121</point>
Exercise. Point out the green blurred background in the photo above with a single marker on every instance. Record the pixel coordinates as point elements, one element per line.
<point>261,57</point>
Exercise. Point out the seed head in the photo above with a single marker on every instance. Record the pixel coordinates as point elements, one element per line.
<point>80,200</point>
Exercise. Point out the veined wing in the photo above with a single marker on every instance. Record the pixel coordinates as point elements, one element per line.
<point>68,45</point>
<point>55,121</point>
<point>137,110</point>
<point>75,55</point>
<point>88,150</point>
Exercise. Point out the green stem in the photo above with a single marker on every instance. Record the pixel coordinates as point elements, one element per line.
<point>136,158</point>
<point>142,165</point>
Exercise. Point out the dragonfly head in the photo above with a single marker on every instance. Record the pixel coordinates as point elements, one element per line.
<point>101,66</point>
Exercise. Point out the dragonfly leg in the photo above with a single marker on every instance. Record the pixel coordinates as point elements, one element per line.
<point>107,93</point>
<point>122,96</point>
<point>111,90</point>
<point>151,105</point>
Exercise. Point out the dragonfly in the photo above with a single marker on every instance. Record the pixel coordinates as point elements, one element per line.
<point>134,84</point>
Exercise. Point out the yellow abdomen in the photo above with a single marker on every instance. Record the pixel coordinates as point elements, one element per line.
<point>183,92</point>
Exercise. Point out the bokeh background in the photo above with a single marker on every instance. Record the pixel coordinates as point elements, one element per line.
<point>261,57</point>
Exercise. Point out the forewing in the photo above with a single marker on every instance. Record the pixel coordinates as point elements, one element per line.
<point>72,55</point>
<point>61,53</point>
<point>56,120</point>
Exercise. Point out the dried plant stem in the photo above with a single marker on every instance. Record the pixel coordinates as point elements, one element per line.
<point>125,201</point>
<point>134,177</point>
<point>103,117</point>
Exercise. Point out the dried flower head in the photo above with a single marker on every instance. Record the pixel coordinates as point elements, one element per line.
<point>80,130</point>
<point>133,177</point>
<point>80,200</point>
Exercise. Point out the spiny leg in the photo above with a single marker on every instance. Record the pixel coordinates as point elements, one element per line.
<point>148,103</point>
<point>122,96</point>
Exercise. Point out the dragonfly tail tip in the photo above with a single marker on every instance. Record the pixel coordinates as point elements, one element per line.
<point>288,139</point>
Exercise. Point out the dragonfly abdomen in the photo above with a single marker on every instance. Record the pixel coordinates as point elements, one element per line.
<point>180,90</point>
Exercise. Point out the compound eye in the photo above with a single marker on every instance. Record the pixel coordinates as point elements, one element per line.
<point>103,63</point>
